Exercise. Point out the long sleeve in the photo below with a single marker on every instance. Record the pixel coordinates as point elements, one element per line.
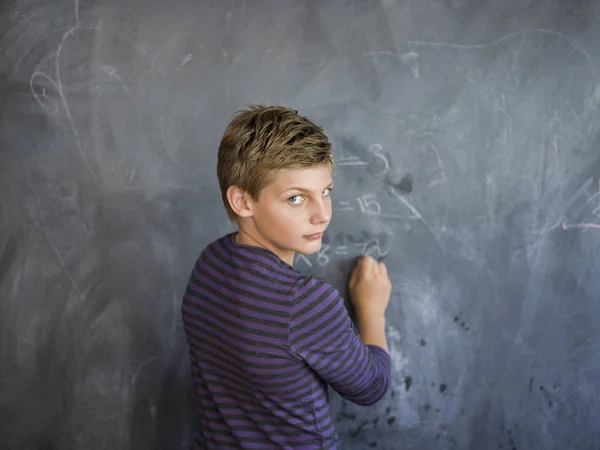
<point>322,334</point>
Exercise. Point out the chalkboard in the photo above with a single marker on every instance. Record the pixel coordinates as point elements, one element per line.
<point>467,146</point>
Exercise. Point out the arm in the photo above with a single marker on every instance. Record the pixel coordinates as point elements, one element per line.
<point>322,334</point>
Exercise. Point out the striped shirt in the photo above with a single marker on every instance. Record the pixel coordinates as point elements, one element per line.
<point>265,341</point>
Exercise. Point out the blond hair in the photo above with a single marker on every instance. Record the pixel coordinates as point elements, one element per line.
<point>263,140</point>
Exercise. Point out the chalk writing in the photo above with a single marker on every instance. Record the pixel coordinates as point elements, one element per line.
<point>304,259</point>
<point>344,159</point>
<point>372,247</point>
<point>344,205</point>
<point>350,161</point>
<point>368,205</point>
<point>341,250</point>
<point>322,258</point>
<point>376,150</point>
<point>345,245</point>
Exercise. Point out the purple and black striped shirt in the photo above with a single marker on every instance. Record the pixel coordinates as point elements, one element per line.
<point>264,341</point>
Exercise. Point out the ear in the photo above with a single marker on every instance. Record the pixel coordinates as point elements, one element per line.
<point>240,201</point>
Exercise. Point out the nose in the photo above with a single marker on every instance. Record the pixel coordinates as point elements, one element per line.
<point>321,212</point>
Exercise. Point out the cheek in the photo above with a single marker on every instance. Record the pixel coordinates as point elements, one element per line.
<point>328,206</point>
<point>278,213</point>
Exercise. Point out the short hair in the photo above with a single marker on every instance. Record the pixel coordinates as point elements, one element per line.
<point>260,142</point>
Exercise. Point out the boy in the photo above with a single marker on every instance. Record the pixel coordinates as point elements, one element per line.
<point>265,339</point>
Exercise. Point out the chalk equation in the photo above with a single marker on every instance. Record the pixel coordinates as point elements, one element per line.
<point>368,205</point>
<point>347,245</point>
<point>382,169</point>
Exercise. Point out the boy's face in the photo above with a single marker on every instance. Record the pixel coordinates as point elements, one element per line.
<point>293,211</point>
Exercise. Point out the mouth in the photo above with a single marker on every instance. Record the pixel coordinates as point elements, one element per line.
<point>314,237</point>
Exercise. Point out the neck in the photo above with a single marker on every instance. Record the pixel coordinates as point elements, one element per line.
<point>253,238</point>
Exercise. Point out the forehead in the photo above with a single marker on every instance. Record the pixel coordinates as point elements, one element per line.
<point>312,178</point>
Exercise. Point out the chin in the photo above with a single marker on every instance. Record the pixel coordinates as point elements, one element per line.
<point>310,248</point>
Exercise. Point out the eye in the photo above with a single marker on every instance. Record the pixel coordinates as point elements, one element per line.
<point>327,192</point>
<point>296,199</point>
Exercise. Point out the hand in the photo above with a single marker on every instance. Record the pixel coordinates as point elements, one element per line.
<point>370,289</point>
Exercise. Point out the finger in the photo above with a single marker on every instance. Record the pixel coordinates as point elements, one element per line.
<point>382,269</point>
<point>363,263</point>
<point>370,264</point>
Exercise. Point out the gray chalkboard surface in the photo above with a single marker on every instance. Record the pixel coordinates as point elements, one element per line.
<point>467,142</point>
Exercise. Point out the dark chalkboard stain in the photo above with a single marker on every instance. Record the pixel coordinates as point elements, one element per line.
<point>7,257</point>
<point>530,384</point>
<point>512,441</point>
<point>373,444</point>
<point>391,420</point>
<point>358,429</point>
<point>347,415</point>
<point>550,404</point>
<point>407,383</point>
<point>423,343</point>
<point>462,323</point>
<point>405,186</point>
<point>443,388</point>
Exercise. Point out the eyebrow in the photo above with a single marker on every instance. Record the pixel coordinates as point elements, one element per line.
<point>295,188</point>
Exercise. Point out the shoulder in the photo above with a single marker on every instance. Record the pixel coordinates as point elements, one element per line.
<point>257,267</point>
<point>218,242</point>
<point>215,249</point>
